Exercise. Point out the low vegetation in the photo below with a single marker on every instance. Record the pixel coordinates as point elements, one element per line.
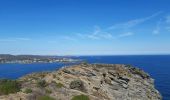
<point>41,83</point>
<point>48,91</point>
<point>45,98</point>
<point>139,72</point>
<point>54,76</point>
<point>59,85</point>
<point>80,97</point>
<point>27,90</point>
<point>78,85</point>
<point>9,86</point>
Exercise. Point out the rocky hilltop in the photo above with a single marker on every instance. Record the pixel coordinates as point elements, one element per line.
<point>87,82</point>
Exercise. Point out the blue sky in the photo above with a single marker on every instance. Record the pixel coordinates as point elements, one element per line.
<point>84,27</point>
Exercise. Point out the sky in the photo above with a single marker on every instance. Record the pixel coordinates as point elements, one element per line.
<point>85,27</point>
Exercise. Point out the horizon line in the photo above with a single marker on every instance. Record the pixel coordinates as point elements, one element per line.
<point>89,54</point>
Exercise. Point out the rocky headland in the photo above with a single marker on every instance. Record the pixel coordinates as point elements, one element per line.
<point>87,82</point>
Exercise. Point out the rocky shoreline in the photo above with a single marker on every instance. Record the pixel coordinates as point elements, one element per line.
<point>91,81</point>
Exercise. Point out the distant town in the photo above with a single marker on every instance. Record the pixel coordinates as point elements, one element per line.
<point>27,59</point>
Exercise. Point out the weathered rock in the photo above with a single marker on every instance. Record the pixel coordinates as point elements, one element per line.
<point>98,81</point>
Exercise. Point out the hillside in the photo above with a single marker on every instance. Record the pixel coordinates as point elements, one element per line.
<point>88,82</point>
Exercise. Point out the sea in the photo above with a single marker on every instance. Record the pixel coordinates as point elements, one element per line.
<point>158,66</point>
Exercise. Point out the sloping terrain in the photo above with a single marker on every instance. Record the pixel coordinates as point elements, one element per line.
<point>93,81</point>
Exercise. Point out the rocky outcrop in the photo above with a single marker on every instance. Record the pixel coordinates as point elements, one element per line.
<point>97,81</point>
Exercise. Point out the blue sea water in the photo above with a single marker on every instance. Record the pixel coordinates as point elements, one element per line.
<point>158,66</point>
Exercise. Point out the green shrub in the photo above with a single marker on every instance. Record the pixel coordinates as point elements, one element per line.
<point>139,72</point>
<point>78,85</point>
<point>45,98</point>
<point>59,85</point>
<point>54,75</point>
<point>41,83</point>
<point>80,97</point>
<point>48,91</point>
<point>9,86</point>
<point>28,90</point>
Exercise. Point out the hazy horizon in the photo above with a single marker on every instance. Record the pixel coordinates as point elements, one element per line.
<point>93,55</point>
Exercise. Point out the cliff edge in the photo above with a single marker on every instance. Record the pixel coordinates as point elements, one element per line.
<point>88,81</point>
